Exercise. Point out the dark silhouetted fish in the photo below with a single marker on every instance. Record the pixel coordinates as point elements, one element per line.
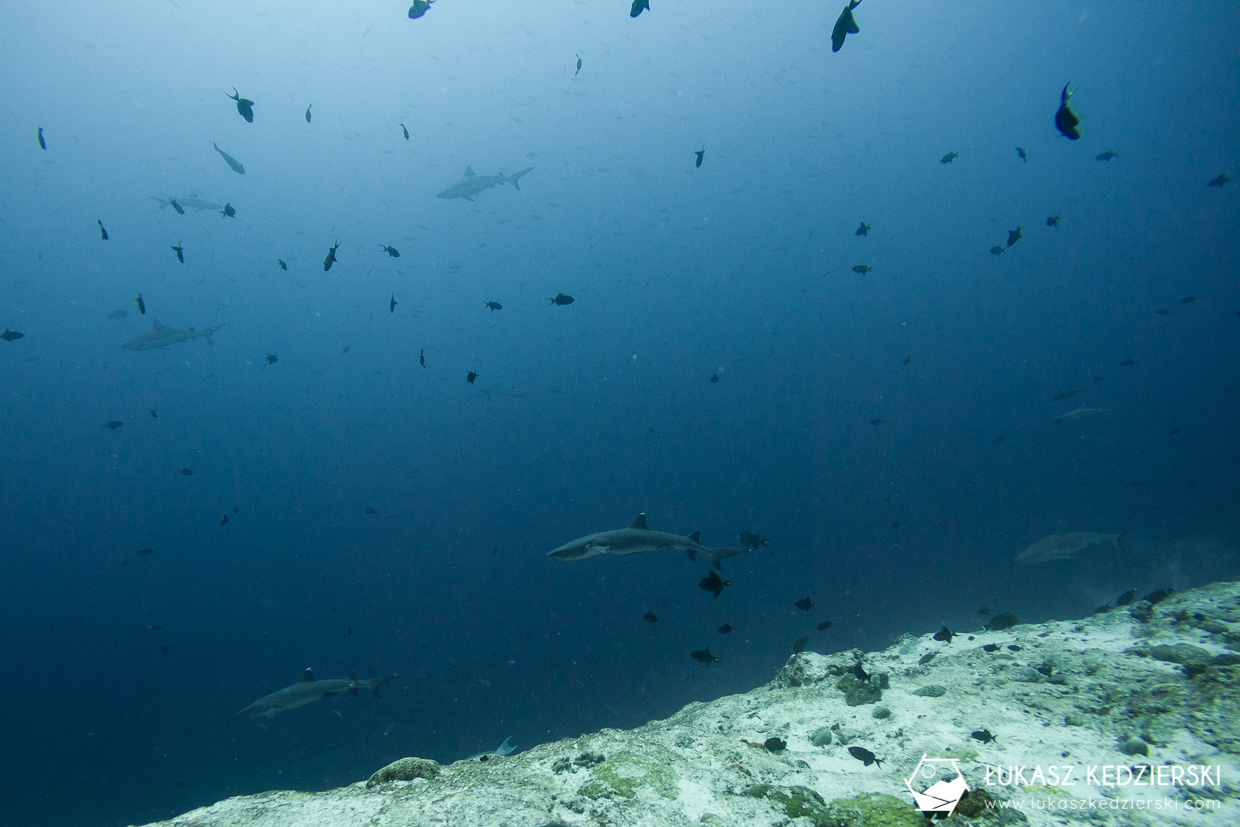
<point>144,552</point>
<point>949,157</point>
<point>308,112</point>
<point>391,251</point>
<point>103,233</point>
<point>713,583</point>
<point>392,304</point>
<point>699,153</point>
<point>42,143</point>
<point>185,472</point>
<point>1066,120</point>
<point>141,304</point>
<point>845,25</point>
<point>775,744</point>
<point>228,211</point>
<point>331,256</point>
<point>1053,220</point>
<point>245,106</point>
<point>11,335</point>
<point>1106,156</point>
<point>578,66</point>
<point>751,539</point>
<point>1014,236</point>
<point>997,250</point>
<point>650,617</point>
<point>419,8</point>
<point>703,656</point>
<point>272,359</point>
<point>113,424</point>
<point>862,268</point>
<point>180,252</point>
<point>561,299</point>
<point>493,306</point>
<point>865,756</point>
<point>725,629</point>
<point>804,604</point>
<point>983,735</point>
<point>1221,180</point>
<point>638,7</point>
<point>223,519</point>
<point>405,129</point>
<point>864,229</point>
<point>283,265</point>
<point>798,645</point>
<point>172,202</point>
<point>1024,156</point>
<point>945,635</point>
<point>1002,621</point>
<point>471,377</point>
<point>822,627</point>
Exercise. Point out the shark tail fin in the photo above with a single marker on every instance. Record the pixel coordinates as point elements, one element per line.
<point>717,555</point>
<point>374,683</point>
<point>1119,538</point>
<point>515,178</point>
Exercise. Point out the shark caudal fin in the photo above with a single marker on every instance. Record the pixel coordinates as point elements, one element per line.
<point>374,683</point>
<point>515,178</point>
<point>717,555</point>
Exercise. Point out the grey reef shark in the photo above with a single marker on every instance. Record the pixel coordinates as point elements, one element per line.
<point>159,337</point>
<point>472,183</point>
<point>307,691</point>
<point>638,537</point>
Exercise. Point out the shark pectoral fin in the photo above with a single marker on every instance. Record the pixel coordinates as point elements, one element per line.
<point>597,549</point>
<point>692,554</point>
<point>353,691</point>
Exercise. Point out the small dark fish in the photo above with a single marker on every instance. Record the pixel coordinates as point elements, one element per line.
<point>1106,156</point>
<point>822,627</point>
<point>845,25</point>
<point>650,617</point>
<point>865,756</point>
<point>244,105</point>
<point>370,509</point>
<point>113,424</point>
<point>561,299</point>
<point>703,656</point>
<point>419,8</point>
<point>103,233</point>
<point>223,519</point>
<point>228,211</point>
<point>1002,621</point>
<point>876,421</point>
<point>1068,394</point>
<point>11,335</point>
<point>1126,598</point>
<point>1164,311</point>
<point>154,413</point>
<point>173,203</point>
<point>1024,156</point>
<point>185,472</point>
<point>859,672</point>
<point>1158,596</point>
<point>1015,236</point>
<point>864,229</point>
<point>1221,180</point>
<point>422,357</point>
<point>713,583</point>
<point>907,359</point>
<point>141,304</point>
<point>42,143</point>
<point>945,634</point>
<point>392,304</point>
<point>1188,299</point>
<point>775,744</point>
<point>714,379</point>
<point>493,306</point>
<point>985,610</point>
<point>725,629</point>
<point>804,604</point>
<point>391,251</point>
<point>143,552</point>
<point>165,649</point>
<point>751,539</point>
<point>272,358</point>
<point>1066,120</point>
<point>470,377</point>
<point>798,645</point>
<point>862,268</point>
<point>638,7</point>
<point>699,153</point>
<point>1128,363</point>
<point>991,647</point>
<point>578,66</point>
<point>895,524</point>
<point>997,250</point>
<point>1053,220</point>
<point>983,735</point>
<point>308,112</point>
<point>331,257</point>
<point>949,157</point>
<point>405,129</point>
<point>180,252</point>
<point>283,265</point>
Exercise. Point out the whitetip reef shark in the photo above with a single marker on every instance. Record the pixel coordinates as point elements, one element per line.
<point>307,691</point>
<point>159,337</point>
<point>472,183</point>
<point>638,537</point>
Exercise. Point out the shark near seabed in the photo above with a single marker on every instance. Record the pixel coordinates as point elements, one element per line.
<point>307,691</point>
<point>1066,546</point>
<point>472,183</point>
<point>159,337</point>
<point>637,537</point>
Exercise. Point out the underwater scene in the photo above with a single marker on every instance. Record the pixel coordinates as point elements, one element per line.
<point>386,380</point>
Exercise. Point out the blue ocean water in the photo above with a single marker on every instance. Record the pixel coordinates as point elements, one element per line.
<point>893,433</point>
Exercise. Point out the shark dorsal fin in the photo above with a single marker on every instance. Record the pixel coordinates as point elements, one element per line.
<point>469,172</point>
<point>307,676</point>
<point>640,522</point>
<point>157,325</point>
<point>696,537</point>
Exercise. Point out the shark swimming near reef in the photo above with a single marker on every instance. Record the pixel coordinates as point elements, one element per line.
<point>307,691</point>
<point>472,183</point>
<point>159,337</point>
<point>638,537</point>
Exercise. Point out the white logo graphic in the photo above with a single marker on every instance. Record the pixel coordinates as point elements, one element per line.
<point>947,785</point>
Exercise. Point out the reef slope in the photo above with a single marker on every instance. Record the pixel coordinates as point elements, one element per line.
<point>1148,690</point>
